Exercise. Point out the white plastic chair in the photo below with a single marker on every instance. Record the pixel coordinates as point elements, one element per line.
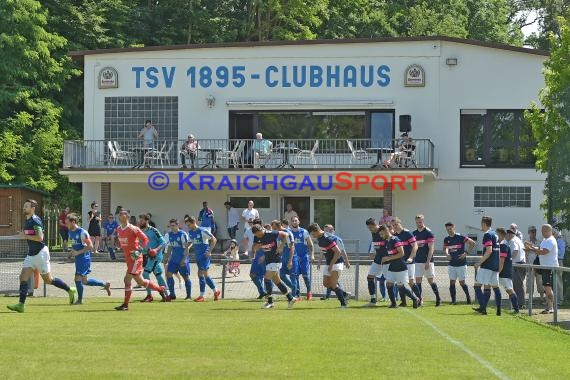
<point>356,154</point>
<point>116,156</point>
<point>308,154</point>
<point>233,155</point>
<point>155,155</point>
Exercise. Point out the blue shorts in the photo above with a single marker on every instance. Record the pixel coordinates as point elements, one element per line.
<point>175,267</point>
<point>154,265</point>
<point>294,269</point>
<point>304,265</point>
<point>82,266</point>
<point>203,262</point>
<point>257,268</point>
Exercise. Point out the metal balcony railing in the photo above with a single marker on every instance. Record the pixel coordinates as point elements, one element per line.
<point>215,154</point>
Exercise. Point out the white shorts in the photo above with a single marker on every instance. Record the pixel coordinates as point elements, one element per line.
<point>398,278</point>
<point>487,277</point>
<point>411,271</point>
<point>422,272</point>
<point>376,270</point>
<point>506,283</point>
<point>336,268</point>
<point>209,229</point>
<point>273,267</point>
<point>39,262</point>
<point>457,273</point>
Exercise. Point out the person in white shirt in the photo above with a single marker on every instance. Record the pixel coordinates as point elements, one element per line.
<point>233,219</point>
<point>249,213</point>
<point>518,233</point>
<point>548,255</point>
<point>289,213</point>
<point>519,274</point>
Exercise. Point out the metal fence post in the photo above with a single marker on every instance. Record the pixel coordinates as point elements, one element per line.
<point>356,276</point>
<point>223,280</point>
<point>555,294</point>
<point>530,274</point>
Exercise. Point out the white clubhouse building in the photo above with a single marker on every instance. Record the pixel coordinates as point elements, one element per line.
<point>464,100</point>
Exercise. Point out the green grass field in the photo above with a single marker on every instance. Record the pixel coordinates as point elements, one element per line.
<point>237,339</point>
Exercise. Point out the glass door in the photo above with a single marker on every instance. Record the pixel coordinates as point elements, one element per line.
<point>323,211</point>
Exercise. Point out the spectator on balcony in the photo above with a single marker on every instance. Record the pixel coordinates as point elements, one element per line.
<point>148,133</point>
<point>262,150</point>
<point>189,149</point>
<point>405,149</point>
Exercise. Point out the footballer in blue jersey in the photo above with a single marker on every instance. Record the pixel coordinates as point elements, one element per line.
<point>81,248</point>
<point>305,251</point>
<point>410,247</point>
<point>506,269</point>
<point>397,268</point>
<point>272,243</point>
<point>334,261</point>
<point>154,254</point>
<point>206,217</point>
<point>109,227</point>
<point>454,249</point>
<point>424,258</point>
<point>37,258</point>
<point>179,260</point>
<point>289,271</point>
<point>203,243</point>
<point>488,267</point>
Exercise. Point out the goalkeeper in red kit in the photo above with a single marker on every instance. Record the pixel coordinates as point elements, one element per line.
<point>130,238</point>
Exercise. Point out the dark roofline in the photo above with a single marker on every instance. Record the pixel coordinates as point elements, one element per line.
<point>22,186</point>
<point>78,55</point>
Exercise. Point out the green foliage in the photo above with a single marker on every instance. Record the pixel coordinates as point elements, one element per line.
<point>551,128</point>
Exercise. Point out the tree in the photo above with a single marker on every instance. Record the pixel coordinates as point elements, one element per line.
<point>30,76</point>
<point>551,126</point>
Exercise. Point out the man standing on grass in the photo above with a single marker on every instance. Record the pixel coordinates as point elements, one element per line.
<point>130,238</point>
<point>454,249</point>
<point>334,261</point>
<point>289,272</point>
<point>424,258</point>
<point>153,252</point>
<point>548,256</point>
<point>506,268</point>
<point>329,229</point>
<point>37,258</point>
<point>203,242</point>
<point>81,248</point>
<point>305,251</point>
<point>267,241</point>
<point>179,261</point>
<point>397,269</point>
<point>376,269</point>
<point>410,249</point>
<point>487,268</point>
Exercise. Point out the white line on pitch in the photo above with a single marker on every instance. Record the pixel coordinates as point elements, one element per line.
<point>459,344</point>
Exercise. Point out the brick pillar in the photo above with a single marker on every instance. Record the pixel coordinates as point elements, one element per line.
<point>106,199</point>
<point>388,200</point>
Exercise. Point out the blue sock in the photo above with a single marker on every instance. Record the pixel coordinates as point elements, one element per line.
<point>188,284</point>
<point>298,286</point>
<point>307,281</point>
<point>112,254</point>
<point>294,282</point>
<point>407,292</point>
<point>395,291</point>
<point>382,286</point>
<point>340,295</point>
<point>435,290</point>
<point>23,291</point>
<point>466,291</point>
<point>160,279</point>
<point>210,283</point>
<point>514,301</point>
<point>453,293</point>
<point>416,290</point>
<point>498,296</point>
<point>257,282</point>
<point>419,289</point>
<point>391,294</point>
<point>479,295</point>
<point>79,286</point>
<point>58,283</point>
<point>95,282</point>
<point>146,276</point>
<point>328,293</point>
<point>202,282</point>
<point>486,298</point>
<point>170,282</point>
<point>286,280</point>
